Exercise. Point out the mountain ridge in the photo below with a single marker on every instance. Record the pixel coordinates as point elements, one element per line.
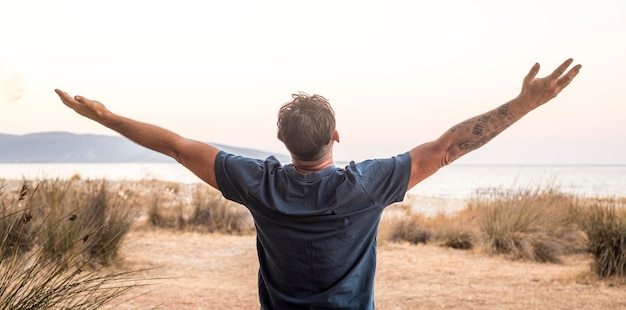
<point>66,147</point>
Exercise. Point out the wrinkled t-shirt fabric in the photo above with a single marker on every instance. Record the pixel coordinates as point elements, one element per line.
<point>316,232</point>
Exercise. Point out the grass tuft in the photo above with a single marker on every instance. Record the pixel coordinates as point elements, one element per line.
<point>528,224</point>
<point>207,211</point>
<point>406,226</point>
<point>41,266</point>
<point>605,226</point>
<point>216,214</point>
<point>73,211</point>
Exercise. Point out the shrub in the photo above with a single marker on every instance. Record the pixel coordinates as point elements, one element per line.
<point>405,225</point>
<point>207,212</point>
<point>213,213</point>
<point>105,225</point>
<point>456,230</point>
<point>32,278</point>
<point>16,234</point>
<point>71,211</point>
<point>455,234</point>
<point>536,224</point>
<point>155,214</point>
<point>605,227</point>
<point>459,239</point>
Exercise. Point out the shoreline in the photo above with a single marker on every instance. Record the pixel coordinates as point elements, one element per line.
<point>451,182</point>
<point>181,191</point>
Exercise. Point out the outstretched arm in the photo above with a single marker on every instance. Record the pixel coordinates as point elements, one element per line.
<point>196,156</point>
<point>475,132</point>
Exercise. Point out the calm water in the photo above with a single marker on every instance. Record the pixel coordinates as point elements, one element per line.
<point>456,182</point>
<point>463,181</point>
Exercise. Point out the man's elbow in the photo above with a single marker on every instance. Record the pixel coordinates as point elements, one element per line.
<point>178,150</point>
<point>449,155</point>
<point>444,153</point>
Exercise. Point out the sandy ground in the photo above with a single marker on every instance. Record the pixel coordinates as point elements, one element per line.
<point>207,271</point>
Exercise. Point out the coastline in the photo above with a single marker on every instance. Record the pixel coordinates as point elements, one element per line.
<point>455,181</point>
<point>426,198</point>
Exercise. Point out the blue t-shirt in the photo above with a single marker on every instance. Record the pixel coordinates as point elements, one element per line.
<point>316,233</point>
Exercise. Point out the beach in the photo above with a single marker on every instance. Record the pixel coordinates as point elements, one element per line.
<point>211,271</point>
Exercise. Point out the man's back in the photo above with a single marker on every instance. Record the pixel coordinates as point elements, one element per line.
<point>316,233</point>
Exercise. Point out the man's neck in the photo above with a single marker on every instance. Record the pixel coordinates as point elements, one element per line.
<point>305,167</point>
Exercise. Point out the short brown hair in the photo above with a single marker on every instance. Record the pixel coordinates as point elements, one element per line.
<point>306,125</point>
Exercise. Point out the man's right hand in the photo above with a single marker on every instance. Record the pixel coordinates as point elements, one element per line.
<point>91,109</point>
<point>197,156</point>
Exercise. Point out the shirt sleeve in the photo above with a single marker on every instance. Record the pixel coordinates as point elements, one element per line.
<point>238,176</point>
<point>384,180</point>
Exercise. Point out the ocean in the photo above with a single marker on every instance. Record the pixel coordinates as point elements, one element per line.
<point>452,182</point>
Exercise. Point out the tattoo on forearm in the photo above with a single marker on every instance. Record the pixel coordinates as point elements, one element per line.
<point>478,129</point>
<point>484,118</point>
<point>472,145</point>
<point>476,132</point>
<point>504,109</point>
<point>463,124</point>
<point>485,127</point>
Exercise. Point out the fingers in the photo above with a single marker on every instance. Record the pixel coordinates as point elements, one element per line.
<point>60,92</point>
<point>531,74</point>
<point>63,95</point>
<point>568,77</point>
<point>76,103</point>
<point>67,99</point>
<point>560,69</point>
<point>561,80</point>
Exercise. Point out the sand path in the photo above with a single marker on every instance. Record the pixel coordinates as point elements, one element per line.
<point>205,271</point>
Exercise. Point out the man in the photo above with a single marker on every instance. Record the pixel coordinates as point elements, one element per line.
<point>316,223</point>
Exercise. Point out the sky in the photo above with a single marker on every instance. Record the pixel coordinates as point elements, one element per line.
<point>397,73</point>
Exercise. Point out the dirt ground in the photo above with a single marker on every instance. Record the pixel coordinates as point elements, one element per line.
<point>207,271</point>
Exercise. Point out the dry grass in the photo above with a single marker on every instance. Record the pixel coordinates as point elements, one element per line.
<point>46,261</point>
<point>502,233</point>
<point>71,211</point>
<point>528,224</point>
<point>207,212</point>
<point>604,223</point>
<point>401,224</point>
<point>457,231</point>
<point>539,225</point>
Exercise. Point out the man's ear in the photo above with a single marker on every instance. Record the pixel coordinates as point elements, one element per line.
<point>336,136</point>
<point>279,136</point>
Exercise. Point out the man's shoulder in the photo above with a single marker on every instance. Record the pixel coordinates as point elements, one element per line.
<point>403,159</point>
<point>228,156</point>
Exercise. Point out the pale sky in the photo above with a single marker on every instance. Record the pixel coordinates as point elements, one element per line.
<point>398,73</point>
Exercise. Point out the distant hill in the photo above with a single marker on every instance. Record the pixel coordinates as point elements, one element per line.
<point>65,147</point>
